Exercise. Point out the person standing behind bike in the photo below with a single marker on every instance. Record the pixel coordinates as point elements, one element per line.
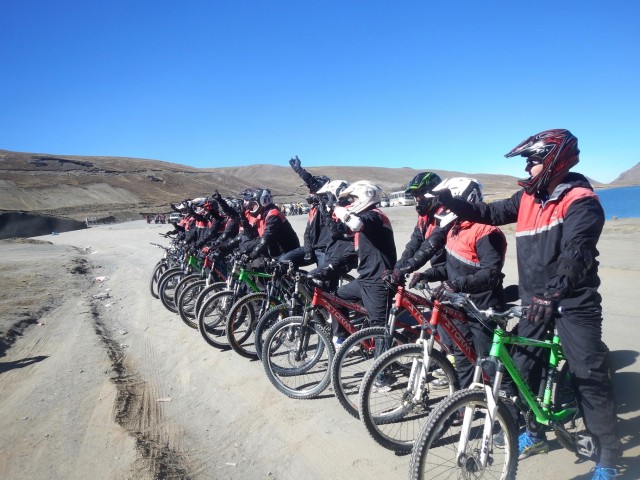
<point>475,256</point>
<point>558,223</point>
<point>376,248</point>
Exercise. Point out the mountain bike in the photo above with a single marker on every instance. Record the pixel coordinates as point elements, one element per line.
<point>359,351</point>
<point>213,314</point>
<point>282,311</point>
<point>169,281</point>
<point>405,383</point>
<point>190,287</point>
<point>248,310</point>
<point>297,351</point>
<point>170,259</point>
<point>458,439</point>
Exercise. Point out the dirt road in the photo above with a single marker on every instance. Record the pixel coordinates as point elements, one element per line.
<point>110,385</point>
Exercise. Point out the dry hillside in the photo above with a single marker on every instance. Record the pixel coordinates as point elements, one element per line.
<point>79,186</point>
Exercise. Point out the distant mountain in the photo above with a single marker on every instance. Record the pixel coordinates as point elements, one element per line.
<point>81,186</point>
<point>629,177</point>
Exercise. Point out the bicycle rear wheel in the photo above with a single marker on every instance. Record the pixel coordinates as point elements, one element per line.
<point>439,452</point>
<point>397,395</point>
<point>297,358</point>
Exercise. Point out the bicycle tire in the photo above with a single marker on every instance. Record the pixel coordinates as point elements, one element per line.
<point>268,320</point>
<point>393,415</point>
<point>300,378</point>
<point>158,270</point>
<point>206,293</point>
<point>166,287</point>
<point>435,454</point>
<point>182,284</point>
<point>212,318</point>
<point>242,322</point>
<point>186,302</point>
<point>352,361</point>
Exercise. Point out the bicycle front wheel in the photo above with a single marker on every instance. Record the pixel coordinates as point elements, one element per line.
<point>297,358</point>
<point>447,449</point>
<point>212,318</point>
<point>242,322</point>
<point>399,392</point>
<point>353,360</point>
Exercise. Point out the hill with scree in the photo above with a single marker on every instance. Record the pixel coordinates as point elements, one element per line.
<point>117,188</point>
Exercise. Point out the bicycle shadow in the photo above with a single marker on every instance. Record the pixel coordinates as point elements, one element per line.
<point>24,362</point>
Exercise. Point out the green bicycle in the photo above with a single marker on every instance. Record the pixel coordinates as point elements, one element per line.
<point>458,439</point>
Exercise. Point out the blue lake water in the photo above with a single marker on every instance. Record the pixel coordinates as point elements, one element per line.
<point>620,202</point>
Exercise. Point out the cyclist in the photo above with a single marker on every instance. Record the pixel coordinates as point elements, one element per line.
<point>376,249</point>
<point>421,247</point>
<point>475,256</point>
<point>275,234</point>
<point>316,234</point>
<point>558,222</point>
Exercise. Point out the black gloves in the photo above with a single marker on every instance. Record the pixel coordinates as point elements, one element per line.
<point>216,196</point>
<point>295,164</point>
<point>308,257</point>
<point>325,273</point>
<point>542,309</point>
<point>448,286</point>
<point>417,277</point>
<point>397,276</point>
<point>443,196</point>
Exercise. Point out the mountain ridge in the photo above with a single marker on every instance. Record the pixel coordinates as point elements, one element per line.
<point>76,186</point>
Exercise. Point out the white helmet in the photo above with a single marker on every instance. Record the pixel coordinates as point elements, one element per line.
<point>335,187</point>
<point>464,188</point>
<point>365,194</point>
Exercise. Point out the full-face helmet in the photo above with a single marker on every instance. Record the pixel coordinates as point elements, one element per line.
<point>362,195</point>
<point>557,150</point>
<point>420,187</point>
<point>464,188</point>
<point>257,200</point>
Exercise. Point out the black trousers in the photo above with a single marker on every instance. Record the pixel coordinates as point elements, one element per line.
<point>374,296</point>
<point>580,333</point>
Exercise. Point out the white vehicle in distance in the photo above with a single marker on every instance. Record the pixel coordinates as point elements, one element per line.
<point>401,199</point>
<point>175,217</point>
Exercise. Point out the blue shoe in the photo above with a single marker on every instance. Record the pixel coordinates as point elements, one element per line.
<point>528,445</point>
<point>601,473</point>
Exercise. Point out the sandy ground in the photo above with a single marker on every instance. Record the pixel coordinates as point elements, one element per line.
<point>99,380</point>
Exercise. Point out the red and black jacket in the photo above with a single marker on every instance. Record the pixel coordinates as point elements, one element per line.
<point>475,256</point>
<point>555,238</point>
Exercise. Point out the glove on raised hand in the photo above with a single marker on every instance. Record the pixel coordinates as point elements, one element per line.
<point>295,164</point>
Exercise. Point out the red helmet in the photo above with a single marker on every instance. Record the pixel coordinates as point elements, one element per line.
<point>556,149</point>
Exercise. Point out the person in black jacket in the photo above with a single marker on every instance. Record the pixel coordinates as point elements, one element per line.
<point>376,249</point>
<point>558,221</point>
<point>475,256</point>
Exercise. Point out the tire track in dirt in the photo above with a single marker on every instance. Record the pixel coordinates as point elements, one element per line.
<point>137,410</point>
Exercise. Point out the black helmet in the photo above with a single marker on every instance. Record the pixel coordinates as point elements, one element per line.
<point>419,187</point>
<point>556,149</point>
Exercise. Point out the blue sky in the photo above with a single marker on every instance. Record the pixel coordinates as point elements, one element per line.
<point>440,85</point>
